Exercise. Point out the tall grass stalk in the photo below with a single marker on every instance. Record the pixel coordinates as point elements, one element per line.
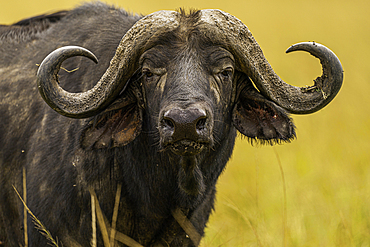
<point>285,217</point>
<point>104,224</point>
<point>100,217</point>
<point>38,224</point>
<point>187,226</point>
<point>257,189</point>
<point>115,215</point>
<point>24,208</point>
<point>93,222</point>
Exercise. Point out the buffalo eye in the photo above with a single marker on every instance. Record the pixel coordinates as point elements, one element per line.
<point>147,73</point>
<point>226,74</point>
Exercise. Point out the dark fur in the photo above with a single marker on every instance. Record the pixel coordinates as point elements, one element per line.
<point>64,157</point>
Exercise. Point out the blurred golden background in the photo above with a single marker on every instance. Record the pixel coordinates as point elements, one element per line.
<point>324,198</point>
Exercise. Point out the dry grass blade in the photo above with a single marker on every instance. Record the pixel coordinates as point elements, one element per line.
<point>115,215</point>
<point>66,70</point>
<point>104,225</point>
<point>37,222</point>
<point>127,240</point>
<point>187,226</point>
<point>101,220</point>
<point>93,222</point>
<point>69,71</point>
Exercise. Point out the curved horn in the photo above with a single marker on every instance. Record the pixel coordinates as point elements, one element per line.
<point>114,80</point>
<point>228,30</point>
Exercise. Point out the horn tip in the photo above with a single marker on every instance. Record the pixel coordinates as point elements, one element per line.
<point>303,46</point>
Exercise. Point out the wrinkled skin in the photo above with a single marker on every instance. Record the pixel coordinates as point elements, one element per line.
<point>141,142</point>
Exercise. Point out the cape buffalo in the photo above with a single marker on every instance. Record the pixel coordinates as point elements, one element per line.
<point>155,120</point>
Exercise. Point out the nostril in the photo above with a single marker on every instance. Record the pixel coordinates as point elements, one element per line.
<point>189,123</point>
<point>168,123</point>
<point>201,123</point>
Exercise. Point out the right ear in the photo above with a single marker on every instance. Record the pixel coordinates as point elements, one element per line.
<point>259,118</point>
<point>115,127</point>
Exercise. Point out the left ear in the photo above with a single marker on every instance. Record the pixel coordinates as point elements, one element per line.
<point>261,119</point>
<point>115,127</point>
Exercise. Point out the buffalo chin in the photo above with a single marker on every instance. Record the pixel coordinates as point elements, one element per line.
<point>190,177</point>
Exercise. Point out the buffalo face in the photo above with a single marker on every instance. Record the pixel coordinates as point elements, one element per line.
<point>188,89</point>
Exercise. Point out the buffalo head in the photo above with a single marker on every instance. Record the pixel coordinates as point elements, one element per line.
<point>185,81</point>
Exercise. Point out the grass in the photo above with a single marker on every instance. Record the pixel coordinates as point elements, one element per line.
<point>327,198</point>
<point>109,234</point>
<point>38,224</point>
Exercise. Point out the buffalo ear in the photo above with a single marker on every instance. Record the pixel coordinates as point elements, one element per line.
<point>115,127</point>
<point>260,119</point>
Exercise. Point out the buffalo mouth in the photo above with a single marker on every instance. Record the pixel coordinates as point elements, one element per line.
<point>186,147</point>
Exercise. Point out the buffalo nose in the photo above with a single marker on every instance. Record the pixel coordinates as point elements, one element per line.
<point>185,123</point>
